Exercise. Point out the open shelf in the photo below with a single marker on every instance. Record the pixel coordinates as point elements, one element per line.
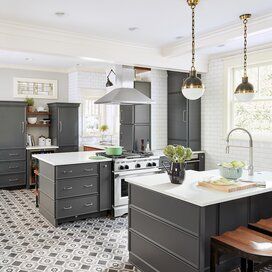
<point>37,113</point>
<point>38,125</point>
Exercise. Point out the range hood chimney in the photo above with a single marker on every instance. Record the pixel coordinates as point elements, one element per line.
<point>124,96</point>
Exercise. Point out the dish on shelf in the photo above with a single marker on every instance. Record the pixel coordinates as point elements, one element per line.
<point>32,120</point>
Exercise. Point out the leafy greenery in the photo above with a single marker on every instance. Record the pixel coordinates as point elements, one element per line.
<point>29,101</point>
<point>177,154</point>
<point>104,128</point>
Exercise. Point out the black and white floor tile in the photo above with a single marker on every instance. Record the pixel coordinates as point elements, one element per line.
<point>29,243</point>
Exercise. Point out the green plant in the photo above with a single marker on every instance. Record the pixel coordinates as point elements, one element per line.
<point>104,128</point>
<point>177,154</point>
<point>29,101</point>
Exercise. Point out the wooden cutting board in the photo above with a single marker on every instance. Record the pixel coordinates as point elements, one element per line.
<point>228,188</point>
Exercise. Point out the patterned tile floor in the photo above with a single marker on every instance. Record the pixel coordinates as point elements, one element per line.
<point>29,243</point>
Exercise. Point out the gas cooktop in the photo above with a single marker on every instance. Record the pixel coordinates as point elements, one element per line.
<point>127,155</point>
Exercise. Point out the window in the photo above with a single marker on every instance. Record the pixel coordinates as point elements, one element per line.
<point>256,115</point>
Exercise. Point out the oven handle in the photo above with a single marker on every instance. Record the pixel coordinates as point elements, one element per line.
<point>192,161</point>
<point>157,171</point>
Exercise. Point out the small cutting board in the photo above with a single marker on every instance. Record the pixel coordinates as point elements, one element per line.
<point>228,188</point>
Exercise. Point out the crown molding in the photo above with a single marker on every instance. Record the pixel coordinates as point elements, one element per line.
<point>217,37</point>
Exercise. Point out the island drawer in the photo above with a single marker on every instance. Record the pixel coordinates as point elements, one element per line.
<point>69,207</point>
<point>11,180</point>
<point>183,245</point>
<point>12,154</point>
<point>76,170</point>
<point>156,257</point>
<point>76,186</point>
<point>180,213</point>
<point>12,167</point>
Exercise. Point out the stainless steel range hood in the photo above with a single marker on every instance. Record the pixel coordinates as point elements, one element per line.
<point>124,96</point>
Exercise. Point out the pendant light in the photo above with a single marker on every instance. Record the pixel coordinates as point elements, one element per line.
<point>193,87</point>
<point>245,91</point>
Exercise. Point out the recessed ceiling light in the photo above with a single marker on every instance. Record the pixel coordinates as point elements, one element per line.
<point>59,13</point>
<point>28,59</point>
<point>133,28</point>
<point>179,37</point>
<point>220,45</point>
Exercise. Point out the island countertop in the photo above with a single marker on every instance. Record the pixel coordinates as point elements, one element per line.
<point>191,193</point>
<point>66,158</point>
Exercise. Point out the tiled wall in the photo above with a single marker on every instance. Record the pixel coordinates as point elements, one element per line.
<point>213,136</point>
<point>159,109</point>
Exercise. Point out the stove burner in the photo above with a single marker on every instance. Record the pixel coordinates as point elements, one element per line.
<point>127,155</point>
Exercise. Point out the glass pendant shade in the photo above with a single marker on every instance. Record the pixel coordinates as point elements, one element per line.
<point>193,87</point>
<point>245,91</point>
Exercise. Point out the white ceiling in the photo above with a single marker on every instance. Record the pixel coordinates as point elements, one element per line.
<point>159,21</point>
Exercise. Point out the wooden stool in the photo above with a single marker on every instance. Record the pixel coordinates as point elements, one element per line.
<point>249,245</point>
<point>36,177</point>
<point>263,226</point>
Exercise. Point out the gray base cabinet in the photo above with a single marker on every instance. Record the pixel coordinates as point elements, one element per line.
<point>167,234</point>
<point>72,192</point>
<point>12,144</point>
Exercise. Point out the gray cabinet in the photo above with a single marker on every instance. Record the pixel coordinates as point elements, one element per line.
<point>72,192</point>
<point>136,121</point>
<point>12,144</point>
<point>64,126</point>
<point>184,116</point>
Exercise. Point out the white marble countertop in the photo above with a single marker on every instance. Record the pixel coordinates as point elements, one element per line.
<point>190,192</point>
<point>38,147</point>
<point>68,158</point>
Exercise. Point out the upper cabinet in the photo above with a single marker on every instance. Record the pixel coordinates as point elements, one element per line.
<point>13,124</point>
<point>184,116</point>
<point>64,125</point>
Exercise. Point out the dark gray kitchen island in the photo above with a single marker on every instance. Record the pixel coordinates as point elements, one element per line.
<point>170,225</point>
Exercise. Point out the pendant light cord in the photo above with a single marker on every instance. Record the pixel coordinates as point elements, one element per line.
<point>193,38</point>
<point>245,47</point>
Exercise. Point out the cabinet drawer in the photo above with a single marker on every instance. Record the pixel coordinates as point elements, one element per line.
<point>11,180</point>
<point>12,167</point>
<point>76,186</point>
<point>12,154</point>
<point>155,256</point>
<point>76,170</point>
<point>76,206</point>
<point>182,244</point>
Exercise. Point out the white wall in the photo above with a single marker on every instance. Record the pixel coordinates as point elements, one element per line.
<point>213,133</point>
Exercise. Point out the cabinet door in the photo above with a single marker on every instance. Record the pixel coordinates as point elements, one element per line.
<point>105,186</point>
<point>126,136</point>
<point>194,124</point>
<point>68,126</point>
<point>12,119</point>
<point>141,132</point>
<point>126,114</point>
<point>142,112</point>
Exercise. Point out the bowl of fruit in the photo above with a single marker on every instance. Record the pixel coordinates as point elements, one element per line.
<point>231,170</point>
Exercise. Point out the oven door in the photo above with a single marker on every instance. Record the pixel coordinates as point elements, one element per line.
<point>121,185</point>
<point>193,165</point>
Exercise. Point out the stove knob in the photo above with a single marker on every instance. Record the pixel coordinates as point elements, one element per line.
<point>154,164</point>
<point>138,165</point>
<point>121,167</point>
<point>126,167</point>
<point>149,164</point>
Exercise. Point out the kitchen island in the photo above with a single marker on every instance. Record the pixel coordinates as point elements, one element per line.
<point>170,225</point>
<point>74,185</point>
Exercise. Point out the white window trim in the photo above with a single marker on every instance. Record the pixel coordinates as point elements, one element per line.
<point>254,58</point>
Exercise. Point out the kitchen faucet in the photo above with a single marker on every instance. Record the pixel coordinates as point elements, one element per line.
<point>250,167</point>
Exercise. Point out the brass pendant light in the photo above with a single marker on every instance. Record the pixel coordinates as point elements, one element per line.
<point>193,87</point>
<point>245,91</point>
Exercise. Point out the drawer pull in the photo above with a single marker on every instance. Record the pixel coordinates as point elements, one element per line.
<point>88,169</point>
<point>66,172</point>
<point>68,188</point>
<point>13,154</point>
<point>12,180</point>
<point>88,185</point>
<point>89,204</point>
<point>67,208</point>
<point>14,167</point>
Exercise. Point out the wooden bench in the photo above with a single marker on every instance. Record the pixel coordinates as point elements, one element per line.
<point>263,226</point>
<point>249,245</point>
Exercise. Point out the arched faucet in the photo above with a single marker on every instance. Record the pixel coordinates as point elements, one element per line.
<point>250,167</point>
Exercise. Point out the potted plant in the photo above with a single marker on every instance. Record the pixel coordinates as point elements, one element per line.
<point>30,104</point>
<point>177,156</point>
